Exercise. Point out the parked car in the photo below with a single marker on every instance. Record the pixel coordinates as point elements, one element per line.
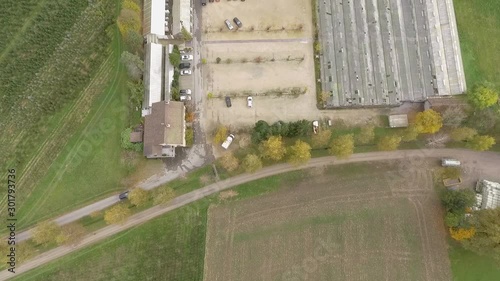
<point>185,91</point>
<point>186,72</point>
<point>315,126</point>
<point>185,98</point>
<point>187,57</point>
<point>228,141</point>
<point>203,2</point>
<point>123,195</point>
<point>449,162</point>
<point>184,65</point>
<point>249,101</point>
<point>228,101</point>
<point>229,25</point>
<point>238,22</point>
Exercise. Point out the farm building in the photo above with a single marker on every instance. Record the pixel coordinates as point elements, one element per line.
<point>398,121</point>
<point>488,196</point>
<point>158,75</point>
<point>440,104</point>
<point>165,19</point>
<point>383,53</point>
<point>164,129</point>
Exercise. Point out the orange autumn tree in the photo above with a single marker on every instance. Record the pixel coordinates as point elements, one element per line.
<point>460,234</point>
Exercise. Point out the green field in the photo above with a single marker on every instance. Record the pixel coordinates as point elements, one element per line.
<point>62,58</point>
<point>478,27</point>
<point>468,266</point>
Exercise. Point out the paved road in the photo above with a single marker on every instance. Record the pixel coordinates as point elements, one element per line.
<point>486,163</point>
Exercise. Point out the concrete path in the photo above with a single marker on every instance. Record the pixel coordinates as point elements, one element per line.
<point>485,163</point>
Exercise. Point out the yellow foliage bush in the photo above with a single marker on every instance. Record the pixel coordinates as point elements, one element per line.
<point>129,20</point>
<point>460,234</point>
<point>131,5</point>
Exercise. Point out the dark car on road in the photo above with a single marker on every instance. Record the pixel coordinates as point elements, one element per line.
<point>238,22</point>
<point>228,101</point>
<point>123,195</point>
<point>185,65</point>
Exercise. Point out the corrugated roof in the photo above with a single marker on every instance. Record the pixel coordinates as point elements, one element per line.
<point>154,17</point>
<point>152,74</point>
<point>491,194</point>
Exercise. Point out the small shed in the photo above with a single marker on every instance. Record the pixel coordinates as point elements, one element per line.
<point>135,137</point>
<point>398,121</point>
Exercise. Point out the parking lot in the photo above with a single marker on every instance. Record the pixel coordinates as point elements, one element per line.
<point>272,64</point>
<point>261,19</point>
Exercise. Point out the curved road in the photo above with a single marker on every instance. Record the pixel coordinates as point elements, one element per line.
<point>486,163</point>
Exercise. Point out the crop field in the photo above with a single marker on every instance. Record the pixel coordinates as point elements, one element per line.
<point>62,91</point>
<point>334,226</point>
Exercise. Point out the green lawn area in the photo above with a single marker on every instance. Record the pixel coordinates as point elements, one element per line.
<point>478,27</point>
<point>171,247</point>
<point>468,266</point>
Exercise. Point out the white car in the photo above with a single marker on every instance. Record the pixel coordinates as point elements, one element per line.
<point>249,101</point>
<point>185,98</point>
<point>186,72</point>
<point>228,24</point>
<point>185,92</point>
<point>187,57</point>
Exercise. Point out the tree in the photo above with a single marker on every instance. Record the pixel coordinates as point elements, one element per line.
<point>279,128</point>
<point>460,234</point>
<point>133,64</point>
<point>251,163</point>
<point>428,121</point>
<point>220,134</point>
<point>117,214</point>
<point>438,140</point>
<point>366,135</point>
<point>410,133</point>
<point>45,232</point>
<point>218,60</point>
<point>485,120</point>
<point>299,128</point>
<point>163,195</point>
<point>388,143</point>
<point>299,153</point>
<point>273,148</point>
<point>71,234</point>
<point>134,41</point>
<point>482,97</point>
<point>229,162</point>
<point>452,219</point>
<point>481,143</point>
<point>261,131</point>
<point>343,146</point>
<point>456,201</point>
<point>186,35</point>
<point>138,196</point>
<point>487,237</point>
<point>175,59</point>
<point>462,134</point>
<point>321,139</point>
<point>454,116</point>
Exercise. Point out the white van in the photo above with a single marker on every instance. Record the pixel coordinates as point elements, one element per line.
<point>228,141</point>
<point>449,162</point>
